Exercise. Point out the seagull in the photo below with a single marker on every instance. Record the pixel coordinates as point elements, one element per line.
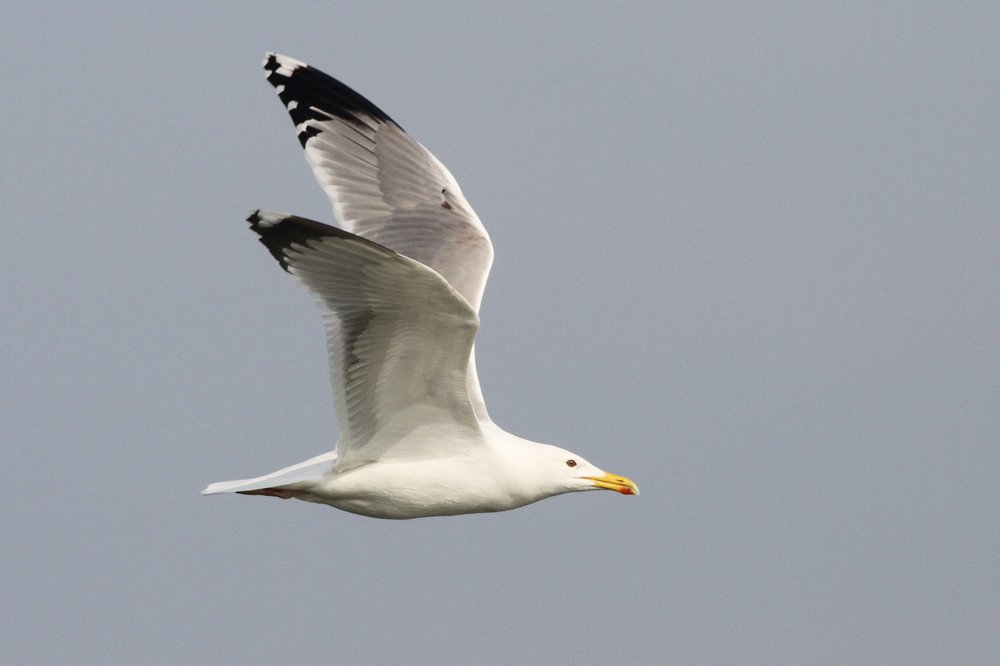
<point>399,284</point>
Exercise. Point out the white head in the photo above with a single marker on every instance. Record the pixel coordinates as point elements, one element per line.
<point>549,470</point>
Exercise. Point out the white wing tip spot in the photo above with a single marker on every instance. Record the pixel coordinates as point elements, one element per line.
<point>286,65</point>
<point>265,219</point>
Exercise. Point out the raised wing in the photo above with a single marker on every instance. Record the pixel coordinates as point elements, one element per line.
<point>385,186</point>
<point>398,336</point>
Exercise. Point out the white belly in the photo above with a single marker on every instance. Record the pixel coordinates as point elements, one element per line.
<point>407,489</point>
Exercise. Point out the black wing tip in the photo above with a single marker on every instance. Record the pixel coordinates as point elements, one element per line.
<point>271,60</point>
<point>279,231</point>
<point>316,95</point>
<point>268,221</point>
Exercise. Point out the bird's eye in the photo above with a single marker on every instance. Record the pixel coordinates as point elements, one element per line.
<point>570,463</point>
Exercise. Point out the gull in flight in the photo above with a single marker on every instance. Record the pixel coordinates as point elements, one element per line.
<point>399,286</point>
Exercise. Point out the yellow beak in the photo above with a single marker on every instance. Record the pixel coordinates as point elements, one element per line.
<point>614,482</point>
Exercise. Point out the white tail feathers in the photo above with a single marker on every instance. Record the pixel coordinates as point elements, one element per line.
<point>310,470</point>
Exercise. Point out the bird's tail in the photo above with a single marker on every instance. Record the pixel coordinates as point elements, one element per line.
<point>273,483</point>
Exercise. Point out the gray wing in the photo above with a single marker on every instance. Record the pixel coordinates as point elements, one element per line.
<point>398,336</point>
<point>385,186</point>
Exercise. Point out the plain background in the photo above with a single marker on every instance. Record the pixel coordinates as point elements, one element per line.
<point>748,255</point>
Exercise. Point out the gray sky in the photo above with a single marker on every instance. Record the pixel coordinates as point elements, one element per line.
<point>748,257</point>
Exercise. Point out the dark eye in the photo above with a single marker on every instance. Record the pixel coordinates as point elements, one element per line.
<point>570,463</point>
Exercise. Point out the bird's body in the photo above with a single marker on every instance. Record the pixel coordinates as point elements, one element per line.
<point>492,480</point>
<point>399,288</point>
